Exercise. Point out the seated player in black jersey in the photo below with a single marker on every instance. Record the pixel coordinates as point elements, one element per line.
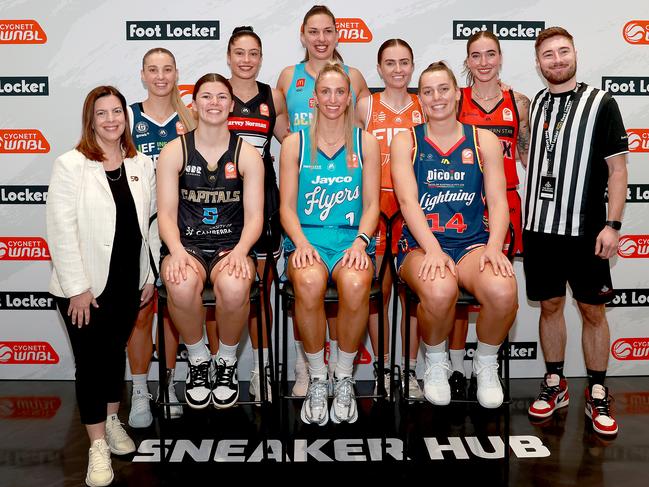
<point>443,171</point>
<point>210,214</point>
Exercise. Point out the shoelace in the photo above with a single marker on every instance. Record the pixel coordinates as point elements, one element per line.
<point>603,406</point>
<point>116,431</point>
<point>492,377</point>
<point>140,400</point>
<point>318,393</point>
<point>98,459</point>
<point>548,392</point>
<point>198,373</point>
<point>224,373</point>
<point>439,369</point>
<point>344,391</point>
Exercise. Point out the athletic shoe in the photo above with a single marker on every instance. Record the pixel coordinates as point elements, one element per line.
<point>436,388</point>
<point>226,386</point>
<point>387,379</point>
<point>140,415</point>
<point>117,438</point>
<point>175,411</point>
<point>414,391</point>
<point>598,409</point>
<point>100,471</point>
<point>553,395</point>
<point>301,379</point>
<point>253,388</point>
<point>314,407</point>
<point>457,382</point>
<point>198,385</point>
<point>490,391</point>
<point>343,406</point>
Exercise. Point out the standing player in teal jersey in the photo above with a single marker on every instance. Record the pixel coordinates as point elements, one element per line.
<point>319,37</point>
<point>157,120</point>
<point>329,181</point>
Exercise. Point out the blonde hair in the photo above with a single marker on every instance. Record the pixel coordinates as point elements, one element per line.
<point>334,67</point>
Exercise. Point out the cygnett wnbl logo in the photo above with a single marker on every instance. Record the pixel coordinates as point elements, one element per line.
<point>21,32</point>
<point>636,32</point>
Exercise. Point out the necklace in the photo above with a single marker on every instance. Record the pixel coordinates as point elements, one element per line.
<point>117,178</point>
<point>486,98</point>
<point>337,141</point>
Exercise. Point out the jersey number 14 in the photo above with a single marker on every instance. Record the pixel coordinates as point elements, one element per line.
<point>456,222</point>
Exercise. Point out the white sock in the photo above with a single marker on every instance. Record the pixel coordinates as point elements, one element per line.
<point>300,356</point>
<point>317,367</point>
<point>486,352</point>
<point>227,352</point>
<point>139,382</point>
<point>255,358</point>
<point>213,356</point>
<point>440,347</point>
<point>457,359</point>
<point>386,360</point>
<point>333,352</point>
<point>345,364</point>
<point>197,352</point>
<point>412,363</point>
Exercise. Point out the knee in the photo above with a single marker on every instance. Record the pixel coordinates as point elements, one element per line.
<point>231,292</point>
<point>184,292</point>
<point>502,295</point>
<point>593,315</point>
<point>309,285</point>
<point>437,297</point>
<point>550,308</point>
<point>354,287</point>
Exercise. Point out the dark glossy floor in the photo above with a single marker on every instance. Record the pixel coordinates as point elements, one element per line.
<point>42,443</point>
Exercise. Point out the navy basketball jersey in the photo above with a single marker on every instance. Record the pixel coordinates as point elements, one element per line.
<point>450,189</point>
<point>150,136</point>
<point>210,206</point>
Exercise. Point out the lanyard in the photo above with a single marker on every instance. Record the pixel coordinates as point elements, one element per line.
<point>550,144</point>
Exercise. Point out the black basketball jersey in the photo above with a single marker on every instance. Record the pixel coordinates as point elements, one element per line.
<point>210,207</point>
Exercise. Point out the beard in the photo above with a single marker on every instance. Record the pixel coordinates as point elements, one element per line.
<point>559,78</point>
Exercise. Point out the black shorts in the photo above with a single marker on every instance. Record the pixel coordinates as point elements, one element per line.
<point>552,260</point>
<point>273,242</point>
<point>207,258</point>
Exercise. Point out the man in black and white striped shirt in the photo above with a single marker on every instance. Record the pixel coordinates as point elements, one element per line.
<point>578,146</point>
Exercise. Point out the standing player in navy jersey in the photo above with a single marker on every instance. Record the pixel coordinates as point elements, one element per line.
<point>329,178</point>
<point>157,120</point>
<point>319,37</point>
<point>504,112</point>
<point>443,171</point>
<point>211,190</point>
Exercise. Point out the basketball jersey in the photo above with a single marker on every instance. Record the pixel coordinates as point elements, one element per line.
<point>502,120</point>
<point>150,136</point>
<point>210,203</point>
<point>300,98</point>
<point>383,122</point>
<point>450,189</point>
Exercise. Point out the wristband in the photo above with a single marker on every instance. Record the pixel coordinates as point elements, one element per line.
<point>614,224</point>
<point>364,238</point>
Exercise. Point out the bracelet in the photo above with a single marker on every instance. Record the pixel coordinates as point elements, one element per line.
<point>364,238</point>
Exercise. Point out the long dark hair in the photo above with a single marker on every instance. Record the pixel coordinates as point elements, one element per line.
<point>320,10</point>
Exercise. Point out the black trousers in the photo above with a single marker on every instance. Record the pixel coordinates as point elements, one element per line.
<point>100,349</point>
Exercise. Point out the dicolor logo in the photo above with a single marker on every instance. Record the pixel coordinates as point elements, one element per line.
<point>23,141</point>
<point>631,349</point>
<point>12,353</point>
<point>23,195</point>
<point>21,32</point>
<point>636,32</point>
<point>24,86</point>
<point>626,85</point>
<point>24,248</point>
<point>504,29</point>
<point>353,30</point>
<point>29,407</point>
<point>176,30</point>
<point>633,247</point>
<point>186,92</point>
<point>638,140</point>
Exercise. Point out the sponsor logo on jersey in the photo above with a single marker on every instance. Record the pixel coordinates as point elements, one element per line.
<point>467,156</point>
<point>636,32</point>
<point>249,124</point>
<point>23,195</point>
<point>193,170</point>
<point>299,84</point>
<point>142,127</point>
<point>21,32</point>
<point>353,162</point>
<point>18,300</point>
<point>387,133</point>
<point>435,175</point>
<point>508,116</point>
<point>626,85</point>
<point>186,92</point>
<point>633,246</point>
<point>353,30</point>
<point>180,128</point>
<point>311,102</point>
<point>416,117</point>
<point>175,30</point>
<point>23,141</point>
<point>631,348</point>
<point>162,132</point>
<point>29,407</point>
<point>27,353</point>
<point>24,248</point>
<point>638,140</point>
<point>245,110</point>
<point>230,170</point>
<point>263,110</point>
<point>517,350</point>
<point>24,86</point>
<point>628,298</point>
<point>503,29</point>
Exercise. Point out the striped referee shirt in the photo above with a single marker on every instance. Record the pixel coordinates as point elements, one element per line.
<point>592,130</point>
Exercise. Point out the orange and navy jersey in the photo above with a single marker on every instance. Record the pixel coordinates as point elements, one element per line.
<point>502,120</point>
<point>383,122</point>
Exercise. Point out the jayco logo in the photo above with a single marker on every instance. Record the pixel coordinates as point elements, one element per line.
<point>331,180</point>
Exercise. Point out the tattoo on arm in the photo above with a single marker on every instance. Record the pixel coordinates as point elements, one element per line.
<point>523,142</point>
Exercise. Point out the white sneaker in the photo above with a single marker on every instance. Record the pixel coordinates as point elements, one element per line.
<point>176,411</point>
<point>140,415</point>
<point>436,387</point>
<point>314,407</point>
<point>301,379</point>
<point>253,388</point>
<point>343,406</point>
<point>414,391</point>
<point>490,391</point>
<point>100,471</point>
<point>117,438</point>
<point>387,376</point>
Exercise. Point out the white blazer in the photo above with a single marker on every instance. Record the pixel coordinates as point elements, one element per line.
<point>81,218</point>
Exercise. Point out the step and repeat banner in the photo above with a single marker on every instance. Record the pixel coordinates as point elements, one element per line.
<point>53,52</point>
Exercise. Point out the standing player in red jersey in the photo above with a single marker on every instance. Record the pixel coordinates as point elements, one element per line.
<point>385,114</point>
<point>486,104</point>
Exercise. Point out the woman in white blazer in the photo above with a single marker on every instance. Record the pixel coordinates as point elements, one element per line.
<point>100,199</point>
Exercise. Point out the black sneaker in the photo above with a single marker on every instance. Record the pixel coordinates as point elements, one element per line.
<point>226,386</point>
<point>457,381</point>
<point>198,387</point>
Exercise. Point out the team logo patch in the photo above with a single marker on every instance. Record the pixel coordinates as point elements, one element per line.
<point>416,117</point>
<point>398,120</point>
<point>354,161</point>
<point>299,83</point>
<point>467,156</point>
<point>245,110</point>
<point>141,127</point>
<point>508,115</point>
<point>263,110</point>
<point>180,128</point>
<point>311,102</point>
<point>162,133</point>
<point>230,171</point>
<point>331,166</point>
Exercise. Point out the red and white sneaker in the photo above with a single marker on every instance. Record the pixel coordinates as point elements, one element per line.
<point>553,395</point>
<point>598,409</point>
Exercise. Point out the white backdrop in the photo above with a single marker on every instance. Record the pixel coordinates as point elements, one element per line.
<point>52,52</point>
